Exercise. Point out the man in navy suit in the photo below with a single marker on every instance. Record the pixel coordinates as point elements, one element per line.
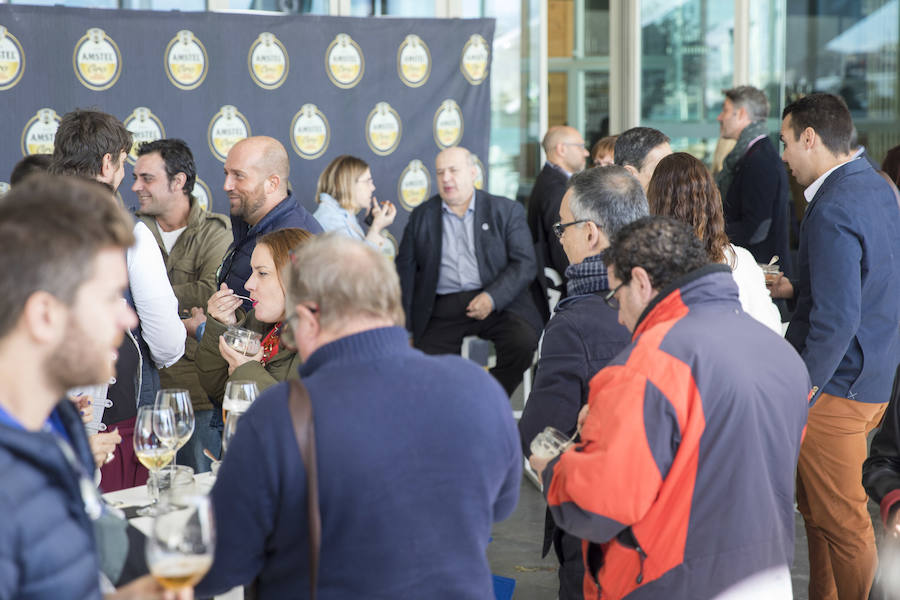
<point>845,328</point>
<point>465,263</point>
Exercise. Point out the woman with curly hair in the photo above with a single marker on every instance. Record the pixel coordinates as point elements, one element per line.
<point>682,188</point>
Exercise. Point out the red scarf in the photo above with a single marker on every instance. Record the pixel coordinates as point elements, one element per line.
<point>270,343</point>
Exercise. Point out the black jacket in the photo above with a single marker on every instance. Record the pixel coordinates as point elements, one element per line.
<point>881,471</point>
<point>503,248</point>
<point>757,205</point>
<point>543,211</point>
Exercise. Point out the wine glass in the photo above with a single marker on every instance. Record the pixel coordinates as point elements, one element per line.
<point>180,403</point>
<point>239,395</point>
<point>180,546</point>
<point>154,445</point>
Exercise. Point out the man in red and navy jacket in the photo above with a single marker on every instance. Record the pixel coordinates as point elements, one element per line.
<point>683,483</point>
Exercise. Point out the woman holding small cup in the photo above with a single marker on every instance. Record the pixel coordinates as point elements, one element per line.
<point>218,362</point>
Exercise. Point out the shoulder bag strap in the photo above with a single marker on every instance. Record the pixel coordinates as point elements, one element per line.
<point>301,416</point>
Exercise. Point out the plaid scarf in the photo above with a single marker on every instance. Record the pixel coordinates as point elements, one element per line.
<point>587,277</point>
<point>726,175</point>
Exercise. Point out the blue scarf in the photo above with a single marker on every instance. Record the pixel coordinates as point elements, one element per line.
<point>587,277</point>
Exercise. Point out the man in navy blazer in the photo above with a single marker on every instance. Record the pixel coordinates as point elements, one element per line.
<point>846,329</point>
<point>465,263</point>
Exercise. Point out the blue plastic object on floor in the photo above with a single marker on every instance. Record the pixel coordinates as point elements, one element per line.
<point>503,587</point>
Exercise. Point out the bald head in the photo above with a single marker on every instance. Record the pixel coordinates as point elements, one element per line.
<point>456,173</point>
<point>564,147</point>
<point>256,177</point>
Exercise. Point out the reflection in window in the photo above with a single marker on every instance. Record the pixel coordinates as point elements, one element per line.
<point>849,49</point>
<point>74,3</point>
<point>399,8</point>
<point>185,5</point>
<point>317,7</point>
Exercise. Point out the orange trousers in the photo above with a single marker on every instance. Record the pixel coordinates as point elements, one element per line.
<point>831,498</point>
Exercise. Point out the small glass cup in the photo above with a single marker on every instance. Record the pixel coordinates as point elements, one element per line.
<point>549,443</point>
<point>243,340</point>
<point>771,273</point>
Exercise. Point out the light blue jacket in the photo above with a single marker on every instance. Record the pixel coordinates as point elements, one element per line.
<point>333,217</point>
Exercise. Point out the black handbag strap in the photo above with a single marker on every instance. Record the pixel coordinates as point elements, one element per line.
<point>301,416</point>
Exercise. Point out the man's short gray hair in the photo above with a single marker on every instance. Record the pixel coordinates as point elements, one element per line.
<point>609,196</point>
<point>345,279</point>
<point>752,99</point>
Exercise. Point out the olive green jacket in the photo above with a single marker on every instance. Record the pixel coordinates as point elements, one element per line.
<point>191,267</point>
<point>213,370</point>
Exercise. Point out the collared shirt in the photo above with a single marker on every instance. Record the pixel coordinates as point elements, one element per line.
<point>810,192</point>
<point>560,169</point>
<point>459,266</point>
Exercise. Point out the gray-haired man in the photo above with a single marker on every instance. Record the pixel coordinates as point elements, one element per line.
<point>584,334</point>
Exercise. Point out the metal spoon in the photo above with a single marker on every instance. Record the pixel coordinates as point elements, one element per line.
<point>773,260</point>
<point>209,455</point>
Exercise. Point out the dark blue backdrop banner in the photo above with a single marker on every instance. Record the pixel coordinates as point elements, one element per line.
<point>392,91</point>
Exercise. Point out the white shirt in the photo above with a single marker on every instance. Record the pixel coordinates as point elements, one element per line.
<point>755,298</point>
<point>154,300</point>
<point>810,192</point>
<point>169,237</point>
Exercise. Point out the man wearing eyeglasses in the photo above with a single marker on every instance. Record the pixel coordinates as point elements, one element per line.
<point>465,264</point>
<point>566,154</point>
<point>583,335</point>
<point>683,483</point>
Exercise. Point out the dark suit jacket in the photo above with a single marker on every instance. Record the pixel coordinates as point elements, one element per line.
<point>757,205</point>
<point>845,325</point>
<point>503,248</point>
<point>543,211</point>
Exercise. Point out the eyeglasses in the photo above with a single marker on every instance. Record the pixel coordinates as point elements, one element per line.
<point>580,145</point>
<point>610,297</point>
<point>560,228</point>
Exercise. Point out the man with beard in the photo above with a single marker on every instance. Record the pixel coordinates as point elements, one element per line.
<point>256,179</point>
<point>62,318</point>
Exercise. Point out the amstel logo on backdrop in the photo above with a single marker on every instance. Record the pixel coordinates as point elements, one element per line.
<point>12,59</point>
<point>202,193</point>
<point>226,128</point>
<point>144,127</point>
<point>383,129</point>
<point>414,185</point>
<point>97,60</point>
<point>479,173</point>
<point>475,60</point>
<point>268,61</point>
<point>39,132</point>
<point>344,61</point>
<point>413,61</point>
<point>310,133</point>
<point>448,124</point>
<point>186,61</point>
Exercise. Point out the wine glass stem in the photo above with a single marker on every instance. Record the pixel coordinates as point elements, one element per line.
<point>153,487</point>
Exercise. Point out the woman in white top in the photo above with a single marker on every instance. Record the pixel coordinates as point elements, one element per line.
<point>682,188</point>
<point>345,188</point>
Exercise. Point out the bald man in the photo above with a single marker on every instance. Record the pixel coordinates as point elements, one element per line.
<point>465,263</point>
<point>566,154</point>
<point>256,179</point>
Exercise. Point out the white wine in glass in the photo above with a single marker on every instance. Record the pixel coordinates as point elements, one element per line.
<point>154,445</point>
<point>181,543</point>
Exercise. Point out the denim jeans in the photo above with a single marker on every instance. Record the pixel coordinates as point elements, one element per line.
<point>207,434</point>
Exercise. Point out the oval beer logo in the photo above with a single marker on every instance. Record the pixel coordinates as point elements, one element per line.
<point>39,132</point>
<point>475,60</point>
<point>201,193</point>
<point>97,60</point>
<point>448,124</point>
<point>186,61</point>
<point>12,59</point>
<point>4,187</point>
<point>383,129</point>
<point>227,128</point>
<point>268,61</point>
<point>310,132</point>
<point>344,61</point>
<point>479,173</point>
<point>413,61</point>
<point>414,185</point>
<point>144,127</point>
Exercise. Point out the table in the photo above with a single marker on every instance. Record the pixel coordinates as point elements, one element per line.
<point>138,496</point>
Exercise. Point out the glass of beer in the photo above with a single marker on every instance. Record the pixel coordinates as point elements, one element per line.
<point>180,546</point>
<point>154,445</point>
<point>549,443</point>
<point>239,395</point>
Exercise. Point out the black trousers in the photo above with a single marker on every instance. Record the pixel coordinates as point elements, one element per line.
<point>514,338</point>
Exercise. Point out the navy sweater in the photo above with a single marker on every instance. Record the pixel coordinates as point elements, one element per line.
<point>417,457</point>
